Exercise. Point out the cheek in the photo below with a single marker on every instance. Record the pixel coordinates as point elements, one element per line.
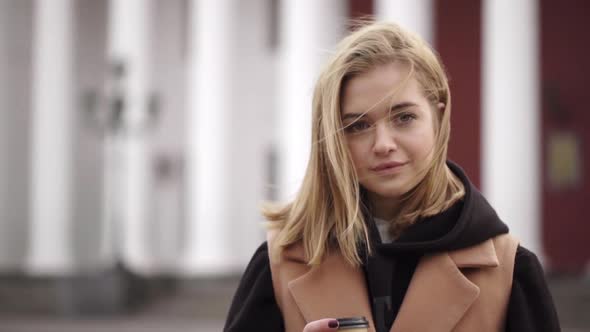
<point>358,153</point>
<point>421,143</point>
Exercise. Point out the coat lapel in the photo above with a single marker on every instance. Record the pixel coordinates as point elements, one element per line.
<point>481,255</point>
<point>437,298</point>
<point>334,289</point>
<point>439,294</point>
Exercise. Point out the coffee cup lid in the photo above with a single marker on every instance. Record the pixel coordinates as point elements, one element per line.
<point>353,322</point>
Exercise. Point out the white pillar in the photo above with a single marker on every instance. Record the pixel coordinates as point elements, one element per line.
<point>254,99</point>
<point>308,35</point>
<point>52,148</point>
<point>511,116</point>
<point>16,18</point>
<point>129,42</point>
<point>208,250</point>
<point>415,15</point>
<point>5,255</point>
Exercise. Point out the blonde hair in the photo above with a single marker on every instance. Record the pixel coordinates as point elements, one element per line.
<point>327,213</point>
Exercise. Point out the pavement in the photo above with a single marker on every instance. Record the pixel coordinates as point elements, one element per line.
<point>202,306</point>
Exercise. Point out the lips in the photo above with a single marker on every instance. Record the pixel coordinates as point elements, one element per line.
<point>387,166</point>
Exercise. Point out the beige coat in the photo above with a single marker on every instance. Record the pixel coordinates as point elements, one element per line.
<point>463,290</point>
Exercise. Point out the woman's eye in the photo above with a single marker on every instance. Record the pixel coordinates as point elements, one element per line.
<point>357,127</point>
<point>404,118</point>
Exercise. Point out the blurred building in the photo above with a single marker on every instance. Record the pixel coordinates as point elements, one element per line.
<point>144,134</point>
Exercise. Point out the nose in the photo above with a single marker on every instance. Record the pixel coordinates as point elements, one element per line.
<point>385,141</point>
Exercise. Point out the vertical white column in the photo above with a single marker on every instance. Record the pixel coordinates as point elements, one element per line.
<point>208,248</point>
<point>51,159</point>
<point>310,29</point>
<point>129,43</point>
<point>415,15</point>
<point>254,110</point>
<point>511,115</point>
<point>4,151</point>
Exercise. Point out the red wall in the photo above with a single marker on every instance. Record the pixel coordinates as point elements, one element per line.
<point>359,8</point>
<point>565,77</point>
<point>458,41</point>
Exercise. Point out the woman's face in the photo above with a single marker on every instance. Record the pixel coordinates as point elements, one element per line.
<point>390,136</point>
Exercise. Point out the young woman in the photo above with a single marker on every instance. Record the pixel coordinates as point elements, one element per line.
<point>384,226</point>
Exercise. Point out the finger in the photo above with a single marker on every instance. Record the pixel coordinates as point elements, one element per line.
<point>321,325</point>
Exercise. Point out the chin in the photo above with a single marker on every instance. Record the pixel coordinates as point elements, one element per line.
<point>390,192</point>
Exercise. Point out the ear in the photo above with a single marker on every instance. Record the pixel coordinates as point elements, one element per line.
<point>441,107</point>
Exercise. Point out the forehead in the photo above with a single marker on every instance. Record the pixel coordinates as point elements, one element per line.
<point>380,87</point>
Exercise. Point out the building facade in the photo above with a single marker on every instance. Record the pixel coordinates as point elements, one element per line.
<point>146,133</point>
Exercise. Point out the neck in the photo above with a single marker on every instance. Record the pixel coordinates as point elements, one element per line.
<point>385,208</point>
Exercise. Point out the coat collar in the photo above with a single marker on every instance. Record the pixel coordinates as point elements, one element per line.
<point>437,298</point>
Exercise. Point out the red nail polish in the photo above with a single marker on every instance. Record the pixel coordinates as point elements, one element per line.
<point>333,324</point>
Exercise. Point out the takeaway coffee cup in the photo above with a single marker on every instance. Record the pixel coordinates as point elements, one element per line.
<point>353,324</point>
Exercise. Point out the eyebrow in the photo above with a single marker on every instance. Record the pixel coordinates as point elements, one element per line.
<point>394,108</point>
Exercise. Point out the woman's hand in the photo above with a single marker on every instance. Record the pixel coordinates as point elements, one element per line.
<point>322,325</point>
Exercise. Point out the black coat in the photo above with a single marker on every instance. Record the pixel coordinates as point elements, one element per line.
<point>388,272</point>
